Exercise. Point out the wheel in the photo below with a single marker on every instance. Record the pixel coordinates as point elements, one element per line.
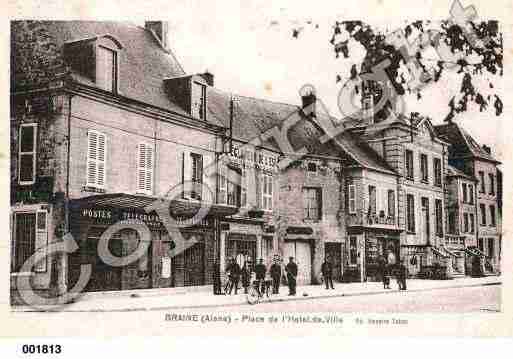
<point>252,296</point>
<point>227,287</point>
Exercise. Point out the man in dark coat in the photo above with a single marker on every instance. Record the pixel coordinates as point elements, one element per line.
<point>260,271</point>
<point>217,278</point>
<point>246,276</point>
<point>291,270</point>
<point>327,272</point>
<point>276,276</point>
<point>234,274</point>
<point>402,272</point>
<point>382,269</point>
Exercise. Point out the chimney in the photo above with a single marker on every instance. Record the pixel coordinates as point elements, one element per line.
<point>159,30</point>
<point>368,90</point>
<point>208,77</point>
<point>487,149</point>
<point>308,100</point>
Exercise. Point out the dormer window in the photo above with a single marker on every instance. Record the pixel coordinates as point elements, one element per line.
<point>107,69</point>
<point>198,108</point>
<point>96,60</point>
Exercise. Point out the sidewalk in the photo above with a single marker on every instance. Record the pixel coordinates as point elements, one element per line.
<point>203,298</point>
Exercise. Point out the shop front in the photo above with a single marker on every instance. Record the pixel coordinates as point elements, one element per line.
<point>155,263</point>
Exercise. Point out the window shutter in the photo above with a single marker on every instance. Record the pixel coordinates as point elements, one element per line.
<point>319,202</point>
<point>187,174</point>
<point>96,159</point>
<point>259,178</point>
<point>41,239</point>
<point>352,200</point>
<point>101,160</point>
<point>145,169</point>
<point>92,153</point>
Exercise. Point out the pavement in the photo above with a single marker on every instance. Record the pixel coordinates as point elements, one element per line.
<point>202,297</point>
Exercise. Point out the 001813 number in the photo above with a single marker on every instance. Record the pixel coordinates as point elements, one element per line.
<point>41,349</point>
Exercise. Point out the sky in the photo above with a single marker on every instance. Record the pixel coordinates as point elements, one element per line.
<point>249,48</point>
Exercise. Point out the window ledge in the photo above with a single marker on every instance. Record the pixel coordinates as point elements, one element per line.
<point>22,274</point>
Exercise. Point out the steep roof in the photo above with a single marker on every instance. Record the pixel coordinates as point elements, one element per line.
<point>362,153</point>
<point>252,117</point>
<point>462,143</point>
<point>454,172</point>
<point>147,63</point>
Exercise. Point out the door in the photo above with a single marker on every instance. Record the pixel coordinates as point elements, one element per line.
<point>103,277</point>
<point>301,251</point>
<point>334,252</point>
<point>194,265</point>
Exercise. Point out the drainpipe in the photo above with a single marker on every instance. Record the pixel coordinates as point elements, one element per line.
<point>67,226</point>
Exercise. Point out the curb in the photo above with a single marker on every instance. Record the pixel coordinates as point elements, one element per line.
<point>244,302</point>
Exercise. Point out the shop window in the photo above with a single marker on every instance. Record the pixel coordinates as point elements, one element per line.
<point>491,248</point>
<point>96,159</point>
<point>30,234</point>
<point>27,153</point>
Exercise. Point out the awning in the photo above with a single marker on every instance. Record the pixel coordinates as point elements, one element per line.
<point>474,251</point>
<point>130,202</point>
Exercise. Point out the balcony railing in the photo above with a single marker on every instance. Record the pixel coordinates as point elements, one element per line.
<point>371,219</point>
<point>454,241</point>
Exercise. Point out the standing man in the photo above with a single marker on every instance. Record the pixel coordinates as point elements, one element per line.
<point>327,272</point>
<point>291,270</point>
<point>234,274</point>
<point>402,272</point>
<point>260,271</point>
<point>246,276</point>
<point>382,269</point>
<point>217,278</point>
<point>276,276</point>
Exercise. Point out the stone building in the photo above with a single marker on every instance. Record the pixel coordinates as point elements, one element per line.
<point>477,161</point>
<point>102,117</point>
<point>108,129</point>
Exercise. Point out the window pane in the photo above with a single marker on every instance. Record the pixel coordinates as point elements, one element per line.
<point>27,168</point>
<point>27,139</point>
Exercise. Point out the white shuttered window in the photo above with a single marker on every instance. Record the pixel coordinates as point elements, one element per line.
<point>96,159</point>
<point>145,169</point>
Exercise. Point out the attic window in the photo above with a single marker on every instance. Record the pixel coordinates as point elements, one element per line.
<point>198,108</point>
<point>107,69</point>
<point>312,167</point>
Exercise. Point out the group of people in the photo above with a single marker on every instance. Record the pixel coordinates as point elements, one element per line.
<point>244,274</point>
<point>388,267</point>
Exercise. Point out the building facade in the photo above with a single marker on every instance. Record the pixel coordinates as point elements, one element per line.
<point>106,126</point>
